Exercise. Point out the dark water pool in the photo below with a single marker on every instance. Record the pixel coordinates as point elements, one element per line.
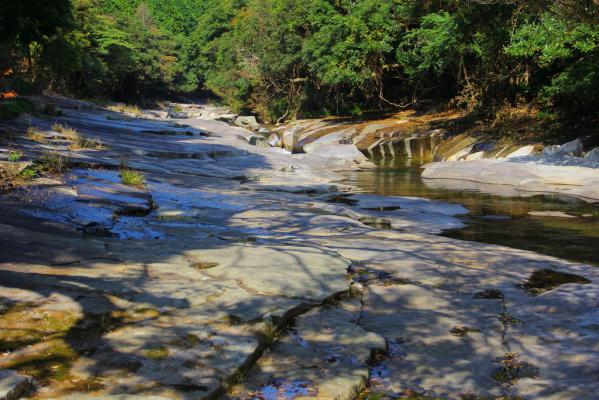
<point>498,215</point>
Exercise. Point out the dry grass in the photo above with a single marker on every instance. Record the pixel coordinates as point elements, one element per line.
<point>126,109</point>
<point>34,134</point>
<point>511,115</point>
<point>52,162</point>
<point>78,142</point>
<point>56,127</point>
<point>518,123</point>
<point>86,143</point>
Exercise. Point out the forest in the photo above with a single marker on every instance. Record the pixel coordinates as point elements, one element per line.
<point>284,59</point>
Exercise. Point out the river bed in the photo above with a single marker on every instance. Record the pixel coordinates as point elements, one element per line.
<point>497,219</point>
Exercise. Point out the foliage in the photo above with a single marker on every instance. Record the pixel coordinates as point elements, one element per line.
<point>14,156</point>
<point>288,58</point>
<point>14,107</point>
<point>131,177</point>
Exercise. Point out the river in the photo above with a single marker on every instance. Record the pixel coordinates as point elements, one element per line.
<point>495,219</point>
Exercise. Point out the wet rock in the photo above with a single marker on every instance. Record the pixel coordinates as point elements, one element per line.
<point>12,385</point>
<point>573,148</point>
<point>544,280</point>
<point>248,122</point>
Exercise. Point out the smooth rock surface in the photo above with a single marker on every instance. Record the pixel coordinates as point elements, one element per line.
<point>524,175</point>
<point>239,273</point>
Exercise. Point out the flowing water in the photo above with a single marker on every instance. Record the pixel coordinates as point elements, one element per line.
<point>498,215</point>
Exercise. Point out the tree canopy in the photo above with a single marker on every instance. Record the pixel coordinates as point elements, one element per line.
<point>287,58</point>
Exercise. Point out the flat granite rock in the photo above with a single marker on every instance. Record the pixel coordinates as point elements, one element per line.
<point>533,175</point>
<point>236,265</point>
<point>325,355</point>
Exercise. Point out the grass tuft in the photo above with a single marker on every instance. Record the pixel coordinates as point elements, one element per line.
<point>131,177</point>
<point>56,127</point>
<point>78,141</point>
<point>52,162</point>
<point>34,134</point>
<point>127,109</point>
<point>15,156</point>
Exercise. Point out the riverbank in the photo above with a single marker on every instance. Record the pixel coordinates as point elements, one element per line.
<point>243,271</point>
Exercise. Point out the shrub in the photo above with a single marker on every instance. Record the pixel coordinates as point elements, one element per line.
<point>14,107</point>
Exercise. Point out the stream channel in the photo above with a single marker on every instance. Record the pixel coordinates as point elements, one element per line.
<point>498,214</point>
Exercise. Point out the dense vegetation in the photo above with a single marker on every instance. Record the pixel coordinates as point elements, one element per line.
<point>285,58</point>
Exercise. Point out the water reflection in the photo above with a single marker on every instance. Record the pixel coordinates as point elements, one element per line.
<point>498,214</point>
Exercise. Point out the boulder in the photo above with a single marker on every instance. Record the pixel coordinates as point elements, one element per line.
<point>273,140</point>
<point>259,141</point>
<point>592,155</point>
<point>289,139</point>
<point>551,151</point>
<point>248,122</point>
<point>573,148</point>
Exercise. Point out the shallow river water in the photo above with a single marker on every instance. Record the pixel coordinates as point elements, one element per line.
<point>498,219</point>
